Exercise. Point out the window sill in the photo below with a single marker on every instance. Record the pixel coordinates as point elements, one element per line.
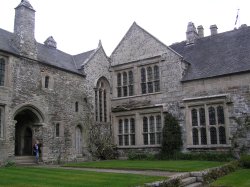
<point>208,146</point>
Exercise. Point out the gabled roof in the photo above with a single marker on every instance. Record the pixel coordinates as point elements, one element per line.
<point>217,55</point>
<point>137,44</point>
<point>47,55</point>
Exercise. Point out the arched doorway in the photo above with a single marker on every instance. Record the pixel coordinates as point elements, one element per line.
<point>78,140</point>
<point>27,119</point>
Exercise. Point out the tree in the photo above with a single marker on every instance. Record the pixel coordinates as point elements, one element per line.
<point>171,135</point>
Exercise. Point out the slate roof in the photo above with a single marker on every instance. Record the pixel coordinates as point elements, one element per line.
<point>217,55</point>
<point>47,55</point>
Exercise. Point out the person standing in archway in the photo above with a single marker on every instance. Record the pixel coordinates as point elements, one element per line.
<point>36,151</point>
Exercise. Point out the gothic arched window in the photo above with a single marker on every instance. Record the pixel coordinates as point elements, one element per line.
<point>202,117</point>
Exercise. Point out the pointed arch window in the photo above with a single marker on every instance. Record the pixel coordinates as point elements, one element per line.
<point>2,71</point>
<point>211,112</point>
<point>102,102</point>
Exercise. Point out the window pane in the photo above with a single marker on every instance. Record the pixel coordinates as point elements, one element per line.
<point>46,84</point>
<point>222,135</point>
<point>131,90</point>
<point>213,135</point>
<point>202,117</point>
<point>156,73</point>
<point>220,113</point>
<point>126,126</point>
<point>145,124</point>
<point>149,73</point>
<point>125,79</point>
<point>120,127</point>
<point>151,124</point>
<point>96,106</point>
<point>158,123</point>
<point>132,139</point>
<point>119,79</point>
<point>157,86</point>
<point>203,136</point>
<point>57,130</point>
<point>126,140</point>
<point>100,104</point>
<point>150,87</point>
<point>120,139</point>
<point>2,71</point>
<point>143,88</point>
<point>119,91</point>
<point>195,137</point>
<point>132,125</point>
<point>212,120</point>
<point>152,138</point>
<point>130,77</point>
<point>125,91</point>
<point>194,117</point>
<point>145,139</point>
<point>143,75</point>
<point>105,105</point>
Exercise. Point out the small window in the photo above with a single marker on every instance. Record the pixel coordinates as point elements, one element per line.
<point>46,83</point>
<point>2,71</point>
<point>57,130</point>
<point>76,106</point>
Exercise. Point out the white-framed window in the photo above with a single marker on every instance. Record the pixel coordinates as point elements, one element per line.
<point>152,129</point>
<point>125,83</point>
<point>150,79</point>
<point>126,131</point>
<point>208,124</point>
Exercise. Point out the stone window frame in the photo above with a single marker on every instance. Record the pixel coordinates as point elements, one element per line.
<point>2,71</point>
<point>47,81</point>
<point>125,83</point>
<point>102,101</point>
<point>126,131</point>
<point>152,129</point>
<point>200,135</point>
<point>58,129</point>
<point>150,79</point>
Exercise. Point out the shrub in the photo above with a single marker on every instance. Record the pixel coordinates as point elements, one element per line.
<point>141,156</point>
<point>216,173</point>
<point>245,161</point>
<point>171,135</point>
<point>10,163</point>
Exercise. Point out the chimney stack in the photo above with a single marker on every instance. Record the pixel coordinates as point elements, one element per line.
<point>191,34</point>
<point>213,29</point>
<point>200,31</point>
<point>24,29</point>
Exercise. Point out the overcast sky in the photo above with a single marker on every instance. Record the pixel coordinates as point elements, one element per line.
<point>78,25</point>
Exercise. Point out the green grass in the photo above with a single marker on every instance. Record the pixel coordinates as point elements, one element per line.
<point>239,178</point>
<point>38,177</point>
<point>172,165</point>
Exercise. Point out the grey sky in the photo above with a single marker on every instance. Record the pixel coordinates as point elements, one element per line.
<point>78,25</point>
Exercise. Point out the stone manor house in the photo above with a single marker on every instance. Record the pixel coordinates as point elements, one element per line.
<point>55,98</point>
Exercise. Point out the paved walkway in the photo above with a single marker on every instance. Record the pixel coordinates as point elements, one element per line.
<point>140,172</point>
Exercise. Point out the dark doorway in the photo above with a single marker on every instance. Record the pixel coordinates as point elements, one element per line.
<point>26,120</point>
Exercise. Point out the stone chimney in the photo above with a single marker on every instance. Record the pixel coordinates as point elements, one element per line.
<point>213,29</point>
<point>24,28</point>
<point>200,31</point>
<point>191,34</point>
<point>50,42</point>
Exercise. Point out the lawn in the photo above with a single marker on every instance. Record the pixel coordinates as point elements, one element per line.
<point>38,177</point>
<point>239,178</point>
<point>172,165</point>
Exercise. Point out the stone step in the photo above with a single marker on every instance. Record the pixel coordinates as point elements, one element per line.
<point>197,184</point>
<point>188,181</point>
<point>25,160</point>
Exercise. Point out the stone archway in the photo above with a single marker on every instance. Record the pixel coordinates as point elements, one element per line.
<point>27,120</point>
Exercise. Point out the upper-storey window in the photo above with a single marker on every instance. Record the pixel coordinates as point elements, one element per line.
<point>125,84</point>
<point>102,102</point>
<point>208,125</point>
<point>2,71</point>
<point>150,79</point>
<point>46,82</point>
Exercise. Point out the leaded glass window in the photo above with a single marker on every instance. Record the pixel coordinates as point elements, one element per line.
<point>126,132</point>
<point>203,136</point>
<point>211,112</point>
<point>195,136</point>
<point>213,135</point>
<point>220,114</point>
<point>202,117</point>
<point>222,135</point>
<point>194,117</point>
